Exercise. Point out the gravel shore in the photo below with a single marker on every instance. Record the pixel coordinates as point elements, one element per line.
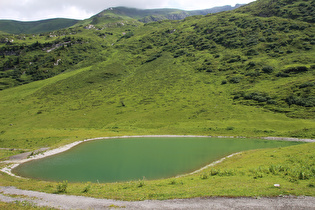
<point>80,202</point>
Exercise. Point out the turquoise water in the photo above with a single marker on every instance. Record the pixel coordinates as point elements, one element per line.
<point>135,158</point>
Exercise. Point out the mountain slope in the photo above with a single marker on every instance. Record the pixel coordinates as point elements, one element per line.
<point>292,9</point>
<point>34,27</point>
<point>150,15</point>
<point>231,73</point>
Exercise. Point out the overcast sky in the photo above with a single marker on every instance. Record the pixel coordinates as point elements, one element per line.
<point>27,10</point>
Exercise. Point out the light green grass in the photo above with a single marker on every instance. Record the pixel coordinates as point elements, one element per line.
<point>17,205</point>
<point>112,99</point>
<point>88,103</point>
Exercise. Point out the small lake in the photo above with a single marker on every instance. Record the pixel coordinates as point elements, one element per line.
<point>114,160</point>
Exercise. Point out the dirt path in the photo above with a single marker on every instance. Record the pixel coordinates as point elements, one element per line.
<point>79,202</point>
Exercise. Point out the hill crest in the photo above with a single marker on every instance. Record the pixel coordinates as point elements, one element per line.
<point>142,15</point>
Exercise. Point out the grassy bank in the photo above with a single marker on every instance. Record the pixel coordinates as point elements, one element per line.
<point>251,173</point>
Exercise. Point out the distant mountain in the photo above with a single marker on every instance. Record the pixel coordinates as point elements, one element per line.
<point>29,27</point>
<point>151,15</point>
<point>106,16</point>
<point>215,9</point>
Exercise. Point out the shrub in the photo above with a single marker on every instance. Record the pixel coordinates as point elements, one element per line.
<point>236,58</point>
<point>87,188</point>
<point>230,128</point>
<point>259,97</point>
<point>307,84</point>
<point>172,182</point>
<point>179,53</point>
<point>235,80</point>
<point>252,64</point>
<point>128,35</point>
<point>153,57</point>
<point>62,187</point>
<point>281,74</point>
<point>267,69</point>
<point>301,101</point>
<point>236,97</point>
<point>214,172</point>
<point>218,172</point>
<point>203,176</point>
<point>296,69</point>
<point>271,102</point>
<point>253,74</point>
<point>140,183</point>
<point>252,52</point>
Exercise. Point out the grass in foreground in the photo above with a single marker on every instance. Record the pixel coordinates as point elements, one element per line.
<point>251,173</point>
<point>17,205</point>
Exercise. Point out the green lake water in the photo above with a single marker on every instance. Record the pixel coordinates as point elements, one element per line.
<point>135,158</point>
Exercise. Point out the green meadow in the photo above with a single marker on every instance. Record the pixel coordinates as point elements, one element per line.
<point>159,98</point>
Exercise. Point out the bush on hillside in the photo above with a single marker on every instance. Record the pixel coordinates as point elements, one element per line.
<point>267,69</point>
<point>296,69</point>
<point>235,80</point>
<point>308,101</point>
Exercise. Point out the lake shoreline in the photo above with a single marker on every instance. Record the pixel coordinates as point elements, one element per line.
<point>16,163</point>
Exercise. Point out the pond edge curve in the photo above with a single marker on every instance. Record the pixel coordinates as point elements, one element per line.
<point>8,169</point>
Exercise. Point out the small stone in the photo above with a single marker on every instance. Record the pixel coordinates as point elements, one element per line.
<point>276,185</point>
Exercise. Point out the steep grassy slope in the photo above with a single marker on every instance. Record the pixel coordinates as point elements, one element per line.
<point>292,9</point>
<point>231,73</point>
<point>34,27</point>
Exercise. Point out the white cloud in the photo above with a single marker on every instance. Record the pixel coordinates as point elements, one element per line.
<point>82,9</point>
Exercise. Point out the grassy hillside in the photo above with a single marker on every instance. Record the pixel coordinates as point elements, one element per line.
<point>231,73</point>
<point>292,9</point>
<point>34,27</point>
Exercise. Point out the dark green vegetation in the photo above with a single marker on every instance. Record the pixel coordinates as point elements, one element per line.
<point>132,159</point>
<point>296,10</point>
<point>34,27</point>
